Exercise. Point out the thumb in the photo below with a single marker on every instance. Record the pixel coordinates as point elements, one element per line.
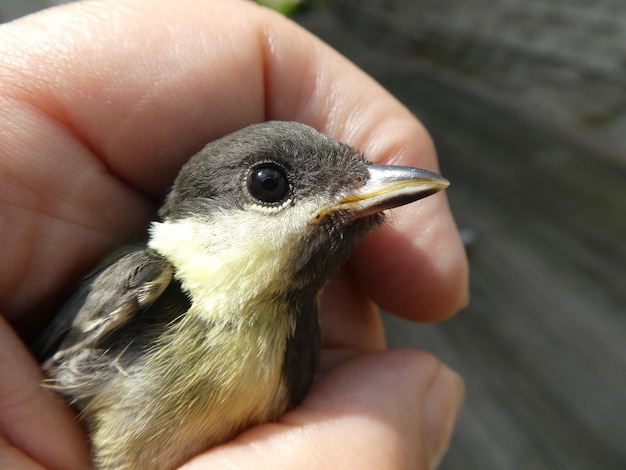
<point>399,406</point>
<point>390,409</point>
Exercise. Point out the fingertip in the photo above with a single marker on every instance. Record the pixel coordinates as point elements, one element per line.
<point>405,400</point>
<point>442,404</point>
<point>415,266</point>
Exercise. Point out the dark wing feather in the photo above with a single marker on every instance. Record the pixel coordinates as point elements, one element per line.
<point>107,300</point>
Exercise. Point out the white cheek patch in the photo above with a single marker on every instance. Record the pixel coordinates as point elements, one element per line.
<point>235,256</point>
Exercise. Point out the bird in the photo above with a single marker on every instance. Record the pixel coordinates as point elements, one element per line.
<point>210,327</point>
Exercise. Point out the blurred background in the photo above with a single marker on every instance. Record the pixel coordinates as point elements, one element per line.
<point>526,102</point>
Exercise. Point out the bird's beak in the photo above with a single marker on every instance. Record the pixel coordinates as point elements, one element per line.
<point>388,186</point>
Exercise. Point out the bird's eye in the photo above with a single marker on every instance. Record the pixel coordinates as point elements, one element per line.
<point>268,183</point>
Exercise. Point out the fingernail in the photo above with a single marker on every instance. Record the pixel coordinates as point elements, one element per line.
<point>443,401</point>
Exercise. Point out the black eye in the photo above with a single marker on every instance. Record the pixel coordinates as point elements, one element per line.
<point>268,183</point>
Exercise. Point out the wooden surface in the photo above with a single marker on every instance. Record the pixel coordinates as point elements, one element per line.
<point>542,347</point>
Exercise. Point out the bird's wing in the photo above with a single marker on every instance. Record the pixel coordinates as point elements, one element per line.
<point>107,300</point>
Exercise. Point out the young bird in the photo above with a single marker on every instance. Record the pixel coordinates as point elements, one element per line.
<point>212,327</point>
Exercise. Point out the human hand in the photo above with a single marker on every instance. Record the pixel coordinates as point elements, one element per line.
<point>101,103</point>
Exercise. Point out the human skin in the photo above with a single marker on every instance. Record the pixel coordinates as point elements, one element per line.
<point>100,105</point>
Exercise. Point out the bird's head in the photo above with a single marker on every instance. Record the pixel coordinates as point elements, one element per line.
<point>283,202</point>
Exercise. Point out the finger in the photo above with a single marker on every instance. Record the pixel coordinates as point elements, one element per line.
<point>349,320</point>
<point>60,209</point>
<point>187,72</point>
<point>29,414</point>
<point>425,276</point>
<point>422,260</point>
<point>10,457</point>
<point>387,410</point>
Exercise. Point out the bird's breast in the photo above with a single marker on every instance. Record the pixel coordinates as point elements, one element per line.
<point>208,382</point>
